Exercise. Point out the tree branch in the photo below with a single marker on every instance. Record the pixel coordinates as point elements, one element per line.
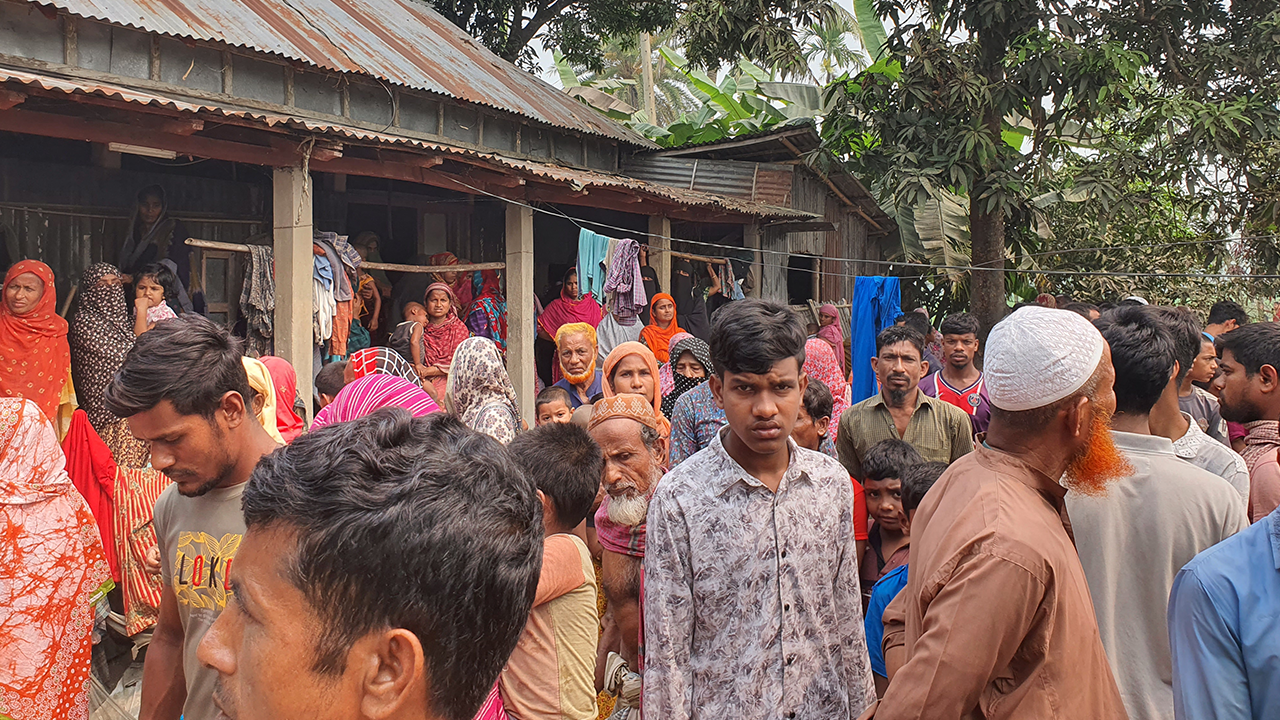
<point>521,37</point>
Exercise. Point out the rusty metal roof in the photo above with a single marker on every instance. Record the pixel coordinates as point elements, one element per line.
<point>573,177</point>
<point>401,41</point>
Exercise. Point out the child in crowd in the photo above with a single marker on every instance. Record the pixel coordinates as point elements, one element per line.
<point>154,285</point>
<point>916,481</point>
<point>889,538</point>
<point>553,406</point>
<point>406,339</point>
<point>551,673</point>
<point>813,422</point>
<point>330,381</point>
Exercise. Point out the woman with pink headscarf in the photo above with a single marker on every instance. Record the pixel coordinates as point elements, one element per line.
<point>833,335</point>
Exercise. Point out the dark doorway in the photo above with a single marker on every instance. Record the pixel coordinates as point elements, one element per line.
<point>801,271</point>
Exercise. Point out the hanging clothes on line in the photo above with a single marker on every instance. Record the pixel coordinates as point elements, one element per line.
<point>624,286</point>
<point>343,292</point>
<point>877,303</point>
<point>323,306</point>
<point>258,302</point>
<point>593,254</point>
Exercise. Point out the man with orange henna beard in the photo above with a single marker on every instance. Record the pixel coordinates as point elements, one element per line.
<point>996,621</point>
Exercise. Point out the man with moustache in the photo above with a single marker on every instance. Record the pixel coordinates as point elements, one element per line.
<point>1249,392</point>
<point>996,621</point>
<point>938,430</point>
<point>635,457</point>
<point>752,604</point>
<point>576,352</point>
<point>184,390</point>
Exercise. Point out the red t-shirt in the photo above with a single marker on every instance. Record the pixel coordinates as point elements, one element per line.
<point>859,511</point>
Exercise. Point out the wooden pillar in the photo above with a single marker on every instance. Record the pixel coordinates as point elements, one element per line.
<point>751,240</point>
<point>291,207</point>
<point>773,275</point>
<point>520,329</point>
<point>660,241</point>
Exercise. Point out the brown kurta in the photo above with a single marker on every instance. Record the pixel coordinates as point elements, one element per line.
<point>996,619</point>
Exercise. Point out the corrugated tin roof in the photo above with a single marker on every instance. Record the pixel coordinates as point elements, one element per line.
<point>400,41</point>
<point>572,177</point>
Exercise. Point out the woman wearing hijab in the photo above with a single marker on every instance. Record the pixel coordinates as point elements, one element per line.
<point>154,236</point>
<point>264,403</point>
<point>35,358</point>
<point>820,362</point>
<point>52,573</point>
<point>632,368</point>
<point>441,335</point>
<point>663,324</point>
<point>488,314</point>
<point>480,393</point>
<point>690,295</point>
<point>458,282</point>
<point>569,308</point>
<point>666,381</point>
<point>101,335</point>
<point>691,362</point>
<point>374,392</point>
<point>829,330</point>
<point>285,382</point>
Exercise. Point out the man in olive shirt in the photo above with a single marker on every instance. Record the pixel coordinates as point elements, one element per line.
<point>938,430</point>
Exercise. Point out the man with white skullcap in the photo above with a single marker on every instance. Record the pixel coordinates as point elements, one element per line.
<point>996,619</point>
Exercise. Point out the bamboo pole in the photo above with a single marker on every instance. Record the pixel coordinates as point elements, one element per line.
<point>240,247</point>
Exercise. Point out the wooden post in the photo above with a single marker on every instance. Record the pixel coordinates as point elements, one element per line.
<point>291,208</point>
<point>751,240</point>
<point>520,330</point>
<point>660,240</point>
<point>773,275</point>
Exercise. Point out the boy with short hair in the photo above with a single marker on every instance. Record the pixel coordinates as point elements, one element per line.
<point>407,340</point>
<point>889,538</point>
<point>330,381</point>
<point>751,598</point>
<point>551,673</point>
<point>916,481</point>
<point>812,424</point>
<point>553,405</point>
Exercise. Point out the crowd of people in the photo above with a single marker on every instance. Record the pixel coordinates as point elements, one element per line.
<point>1075,517</point>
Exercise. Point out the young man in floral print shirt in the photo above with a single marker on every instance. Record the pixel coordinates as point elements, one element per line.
<point>752,605</point>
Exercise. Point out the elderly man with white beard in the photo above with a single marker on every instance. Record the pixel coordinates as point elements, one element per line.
<point>635,458</point>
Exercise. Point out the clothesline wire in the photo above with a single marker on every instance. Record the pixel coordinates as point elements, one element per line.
<point>556,212</point>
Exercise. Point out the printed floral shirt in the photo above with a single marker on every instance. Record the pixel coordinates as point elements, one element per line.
<point>752,608</point>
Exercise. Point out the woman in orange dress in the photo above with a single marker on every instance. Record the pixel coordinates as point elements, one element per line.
<point>52,573</point>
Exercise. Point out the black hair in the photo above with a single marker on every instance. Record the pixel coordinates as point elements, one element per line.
<point>420,524</point>
<point>916,481</point>
<point>1142,353</point>
<point>1130,302</point>
<point>961,323</point>
<point>332,378</point>
<point>888,459</point>
<point>918,322</point>
<point>1225,310</point>
<point>817,399</point>
<point>895,334</point>
<point>190,361</point>
<point>565,464</point>
<point>750,336</point>
<point>1082,309</point>
<point>1186,334</point>
<point>552,394</point>
<point>1105,306</point>
<point>1253,346</point>
<point>163,276</point>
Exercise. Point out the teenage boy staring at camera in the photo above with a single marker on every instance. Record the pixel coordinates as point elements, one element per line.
<point>752,606</point>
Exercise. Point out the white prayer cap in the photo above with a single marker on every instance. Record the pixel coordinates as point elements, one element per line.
<point>1038,355</point>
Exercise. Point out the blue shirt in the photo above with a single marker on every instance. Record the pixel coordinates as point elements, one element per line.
<point>592,391</point>
<point>882,593</point>
<point>1224,628</point>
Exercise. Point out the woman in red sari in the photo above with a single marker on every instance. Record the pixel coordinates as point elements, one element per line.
<point>35,358</point>
<point>441,335</point>
<point>566,309</point>
<point>52,573</point>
